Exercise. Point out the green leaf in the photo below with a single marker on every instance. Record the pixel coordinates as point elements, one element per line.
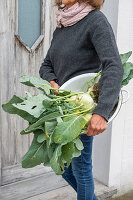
<point>60,110</point>
<point>47,164</point>
<point>50,147</point>
<point>128,73</point>
<point>127,67</point>
<point>67,131</point>
<point>59,119</point>
<point>55,165</point>
<point>50,126</point>
<point>78,144</point>
<point>47,102</point>
<point>124,57</point>
<point>69,117</point>
<point>76,153</point>
<point>11,108</point>
<point>67,151</point>
<point>40,122</point>
<point>8,106</point>
<point>126,81</point>
<point>23,132</point>
<point>33,105</point>
<point>28,95</point>
<point>35,82</point>
<point>41,138</point>
<point>68,106</point>
<point>36,154</point>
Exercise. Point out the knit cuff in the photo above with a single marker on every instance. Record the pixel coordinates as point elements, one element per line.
<point>103,110</point>
<point>49,77</point>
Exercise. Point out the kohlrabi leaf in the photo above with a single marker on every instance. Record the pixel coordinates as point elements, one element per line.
<point>76,153</point>
<point>54,162</point>
<point>124,57</point>
<point>128,73</point>
<point>67,131</point>
<point>35,82</point>
<point>28,95</point>
<point>8,106</point>
<point>50,126</point>
<point>59,119</point>
<point>60,109</point>
<point>47,102</point>
<point>23,132</point>
<point>11,108</point>
<point>33,105</point>
<point>126,81</point>
<point>40,122</point>
<point>47,164</point>
<point>41,138</point>
<point>50,147</point>
<point>78,144</point>
<point>67,151</point>
<point>36,154</point>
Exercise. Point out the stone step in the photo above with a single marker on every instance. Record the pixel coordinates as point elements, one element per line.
<point>67,193</point>
<point>48,187</point>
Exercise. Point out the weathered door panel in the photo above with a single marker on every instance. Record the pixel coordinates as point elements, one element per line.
<point>17,59</point>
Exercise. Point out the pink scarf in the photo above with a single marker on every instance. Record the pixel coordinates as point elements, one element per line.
<point>69,16</point>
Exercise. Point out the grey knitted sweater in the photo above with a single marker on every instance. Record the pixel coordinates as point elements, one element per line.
<point>86,47</point>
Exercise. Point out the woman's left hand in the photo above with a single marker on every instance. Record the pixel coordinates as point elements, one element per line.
<point>97,125</point>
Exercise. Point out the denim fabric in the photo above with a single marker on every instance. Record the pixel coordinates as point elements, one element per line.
<point>79,173</point>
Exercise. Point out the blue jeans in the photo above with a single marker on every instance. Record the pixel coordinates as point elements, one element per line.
<point>79,173</point>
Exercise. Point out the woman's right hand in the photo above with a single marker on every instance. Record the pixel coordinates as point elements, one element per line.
<point>54,85</point>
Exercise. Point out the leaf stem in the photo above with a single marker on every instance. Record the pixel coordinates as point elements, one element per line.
<point>67,96</point>
<point>56,88</point>
<point>77,113</point>
<point>98,74</point>
<point>74,108</point>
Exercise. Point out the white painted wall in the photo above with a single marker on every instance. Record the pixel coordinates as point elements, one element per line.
<point>121,158</point>
<point>113,149</point>
<point>110,9</point>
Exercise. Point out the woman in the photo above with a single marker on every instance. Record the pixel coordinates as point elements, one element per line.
<point>84,42</point>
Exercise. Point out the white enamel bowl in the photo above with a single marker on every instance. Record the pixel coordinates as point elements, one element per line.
<point>78,83</point>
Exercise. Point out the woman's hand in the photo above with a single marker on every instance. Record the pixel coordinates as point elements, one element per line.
<point>54,85</point>
<point>97,125</point>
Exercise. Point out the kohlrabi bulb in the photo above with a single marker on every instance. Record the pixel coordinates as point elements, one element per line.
<point>72,99</point>
<point>85,100</point>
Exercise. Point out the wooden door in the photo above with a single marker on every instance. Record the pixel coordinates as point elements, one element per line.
<point>20,55</point>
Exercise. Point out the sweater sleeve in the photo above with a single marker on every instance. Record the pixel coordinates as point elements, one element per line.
<point>103,40</point>
<point>46,70</point>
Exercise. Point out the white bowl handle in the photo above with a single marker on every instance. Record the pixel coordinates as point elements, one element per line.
<point>127,98</point>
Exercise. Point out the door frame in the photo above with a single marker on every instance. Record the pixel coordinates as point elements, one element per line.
<point>0,133</point>
<point>0,148</point>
